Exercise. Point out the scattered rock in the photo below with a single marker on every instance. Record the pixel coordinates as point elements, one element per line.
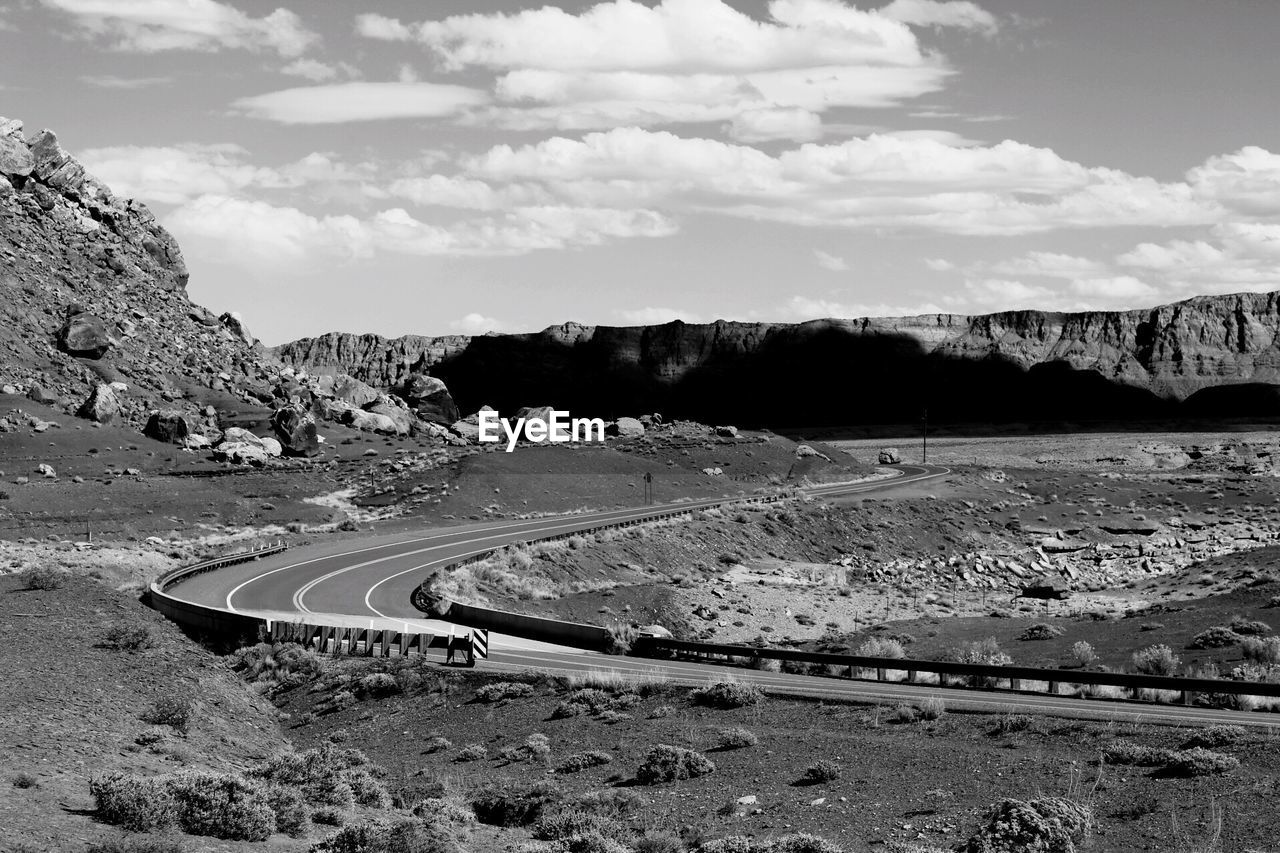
<point>102,405</point>
<point>625,428</point>
<point>890,456</point>
<point>84,335</point>
<point>727,431</point>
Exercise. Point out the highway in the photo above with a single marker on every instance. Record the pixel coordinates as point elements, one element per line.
<point>367,582</point>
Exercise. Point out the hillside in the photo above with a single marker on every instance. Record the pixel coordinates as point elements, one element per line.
<point>1207,355</point>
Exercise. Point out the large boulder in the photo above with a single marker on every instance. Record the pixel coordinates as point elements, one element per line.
<point>890,456</point>
<point>84,335</point>
<point>241,452</point>
<point>295,429</point>
<point>348,389</point>
<point>170,426</point>
<point>236,326</point>
<point>370,421</point>
<point>430,398</point>
<point>102,405</point>
<point>239,435</point>
<point>625,428</point>
<point>398,415</point>
<point>15,155</point>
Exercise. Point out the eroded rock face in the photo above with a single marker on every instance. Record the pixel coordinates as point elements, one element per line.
<point>429,397</point>
<point>295,429</point>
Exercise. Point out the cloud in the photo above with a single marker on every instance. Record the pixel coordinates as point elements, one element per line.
<point>830,262</point>
<point>655,316</point>
<point>467,193</point>
<point>319,72</point>
<point>932,13</point>
<point>175,174</point>
<point>107,81</point>
<point>476,324</point>
<point>622,63</point>
<point>360,101</point>
<point>152,26</point>
<point>800,308</point>
<point>1247,181</point>
<point>1048,264</point>
<point>939,264</point>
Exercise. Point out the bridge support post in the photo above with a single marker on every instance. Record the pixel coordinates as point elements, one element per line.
<point>1053,688</point>
<point>1188,697</point>
<point>911,676</point>
<point>1015,684</point>
<point>879,673</point>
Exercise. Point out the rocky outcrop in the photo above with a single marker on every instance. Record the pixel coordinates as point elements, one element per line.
<point>92,291</point>
<point>295,428</point>
<point>1204,356</point>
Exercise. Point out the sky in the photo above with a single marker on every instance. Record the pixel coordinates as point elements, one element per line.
<point>441,166</point>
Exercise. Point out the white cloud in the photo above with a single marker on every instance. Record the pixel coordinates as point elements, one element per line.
<point>830,262</point>
<point>932,13</point>
<point>467,193</point>
<point>359,101</point>
<point>1115,289</point>
<point>762,125</point>
<point>317,71</point>
<point>151,26</point>
<point>656,316</point>
<point>800,308</point>
<point>108,81</point>
<point>476,324</point>
<point>1247,181</point>
<point>939,264</point>
<point>1048,264</point>
<point>175,174</point>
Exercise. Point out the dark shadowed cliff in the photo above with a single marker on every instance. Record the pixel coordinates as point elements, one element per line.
<point>1207,356</point>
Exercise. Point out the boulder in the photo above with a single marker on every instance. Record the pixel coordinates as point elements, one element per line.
<point>890,456</point>
<point>102,405</point>
<point>238,435</point>
<point>16,160</point>
<point>272,447</point>
<point>727,431</point>
<point>84,335</point>
<point>467,430</point>
<point>804,451</point>
<point>370,421</point>
<point>474,419</point>
<point>39,394</point>
<point>625,428</point>
<point>401,417</point>
<point>170,426</point>
<point>232,321</point>
<point>295,429</point>
<point>241,452</point>
<point>348,389</point>
<point>196,441</point>
<point>430,398</point>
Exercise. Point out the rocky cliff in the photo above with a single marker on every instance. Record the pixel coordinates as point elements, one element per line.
<point>1203,356</point>
<point>94,315</point>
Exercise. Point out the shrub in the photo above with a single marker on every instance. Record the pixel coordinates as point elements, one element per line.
<point>536,747</point>
<point>659,842</point>
<point>123,637</point>
<point>500,690</point>
<point>1010,723</point>
<point>276,663</point>
<point>621,639</point>
<point>1083,654</point>
<point>290,809</point>
<point>932,708</point>
<point>132,803</point>
<point>1217,637</point>
<point>903,712</point>
<point>222,806</point>
<point>135,844</point>
<point>24,781</point>
<point>735,739</point>
<point>582,761</point>
<point>448,811</point>
<point>1129,753</point>
<point>567,823</point>
<point>1156,660</point>
<point>379,684</point>
<point>1048,825</point>
<point>881,647</point>
<point>366,789</point>
<point>42,577</point>
<point>1220,735</point>
<point>728,694</point>
<point>518,805</point>
<point>800,842</point>
<point>1199,762</point>
<point>328,817</point>
<point>1261,650</point>
<point>1249,627</point>
<point>822,771</point>
<point>436,743</point>
<point>986,651</point>
<point>1040,631</point>
<point>407,835</point>
<point>172,711</point>
<point>472,752</point>
<point>666,763</point>
<point>328,777</point>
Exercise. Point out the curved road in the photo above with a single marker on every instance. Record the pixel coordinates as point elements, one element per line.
<point>368,582</point>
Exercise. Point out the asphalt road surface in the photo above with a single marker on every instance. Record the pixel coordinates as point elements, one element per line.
<point>368,582</point>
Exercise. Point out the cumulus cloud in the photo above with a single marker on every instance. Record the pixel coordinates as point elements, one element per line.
<point>801,308</point>
<point>360,101</point>
<point>829,261</point>
<point>1247,181</point>
<point>933,13</point>
<point>109,81</point>
<point>151,26</point>
<point>656,316</point>
<point>476,324</point>
<point>766,124</point>
<point>317,71</point>
<point>175,174</point>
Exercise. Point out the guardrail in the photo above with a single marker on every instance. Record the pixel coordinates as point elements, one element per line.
<point>986,675</point>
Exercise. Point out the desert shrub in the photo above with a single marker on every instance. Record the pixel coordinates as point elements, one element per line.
<point>582,761</point>
<point>986,651</point>
<point>24,781</point>
<point>407,835</point>
<point>172,711</point>
<point>42,577</point>
<point>276,664</point>
<point>449,811</point>
<point>132,803</point>
<point>728,694</point>
<point>292,817</point>
<point>1010,723</point>
<point>500,690</point>
<point>1040,631</point>
<point>1220,735</point>
<point>472,752</point>
<point>1249,627</point>
<point>1083,654</point>
<point>822,771</point>
<point>621,638</point>
<point>735,739</point>
<point>366,789</point>
<point>1217,637</point>
<point>1156,660</point>
<point>222,806</point>
<point>932,708</point>
<point>731,844</point>
<point>328,777</point>
<point>565,710</point>
<point>135,844</point>
<point>1047,825</point>
<point>903,712</point>
<point>659,841</point>
<point>881,647</point>
<point>123,637</point>
<point>328,817</point>
<point>611,717</point>
<point>800,842</point>
<point>536,747</point>
<point>379,684</point>
<point>666,763</point>
<point>514,805</point>
<point>1198,761</point>
<point>661,711</point>
<point>565,823</point>
<point>1261,649</point>
<point>437,743</point>
<point>1129,753</point>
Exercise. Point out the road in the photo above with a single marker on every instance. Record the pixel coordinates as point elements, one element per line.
<point>368,582</point>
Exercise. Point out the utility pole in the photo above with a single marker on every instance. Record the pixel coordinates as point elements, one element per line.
<point>924,440</point>
<point>648,487</point>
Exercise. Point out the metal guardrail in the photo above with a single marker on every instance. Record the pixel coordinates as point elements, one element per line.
<point>1015,675</point>
<point>177,576</point>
